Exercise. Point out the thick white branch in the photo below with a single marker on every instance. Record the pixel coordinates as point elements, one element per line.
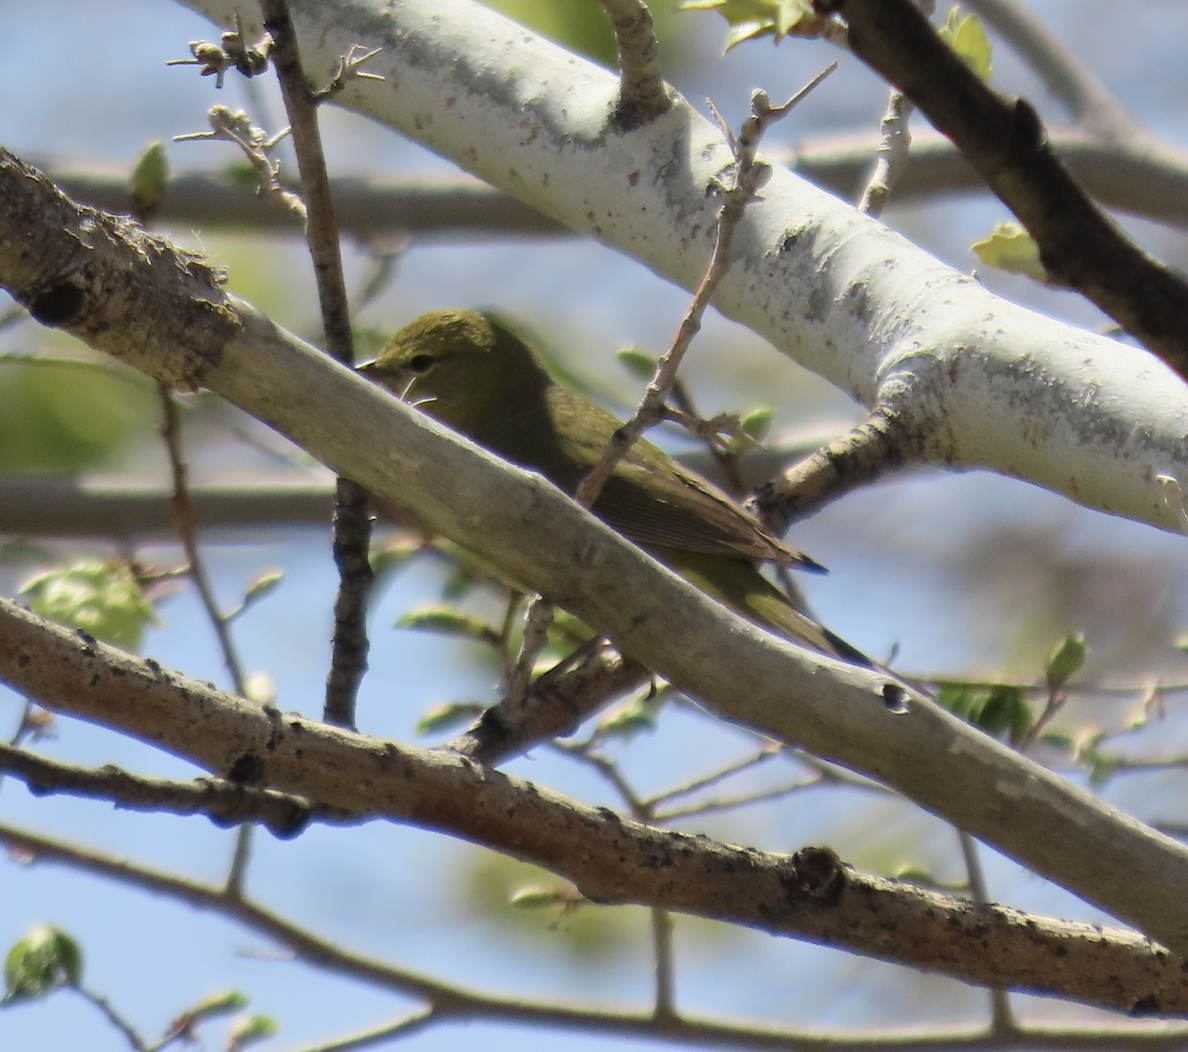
<point>977,381</point>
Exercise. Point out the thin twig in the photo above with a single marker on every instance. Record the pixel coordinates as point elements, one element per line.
<point>184,514</point>
<point>352,525</point>
<point>184,517</point>
<point>643,95</point>
<point>225,802</point>
<point>664,963</point>
<point>537,620</point>
<point>749,177</point>
<point>1002,1018</point>
<point>763,756</point>
<point>113,1017</point>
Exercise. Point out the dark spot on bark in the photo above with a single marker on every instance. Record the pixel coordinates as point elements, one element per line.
<point>1148,1005</point>
<point>248,769</point>
<point>154,666</point>
<point>95,680</point>
<point>58,305</point>
<point>23,661</point>
<point>819,873</point>
<point>894,697</point>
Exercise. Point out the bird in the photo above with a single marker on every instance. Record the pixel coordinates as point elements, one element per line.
<point>474,373</point>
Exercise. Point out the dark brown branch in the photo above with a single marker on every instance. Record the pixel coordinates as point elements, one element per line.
<point>225,803</point>
<point>611,859</point>
<point>551,706</point>
<point>643,95</point>
<point>1079,245</point>
<point>870,451</point>
<point>448,1002</point>
<point>352,526</point>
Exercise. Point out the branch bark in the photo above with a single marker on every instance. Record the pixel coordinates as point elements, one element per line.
<point>809,895</point>
<point>860,718</point>
<point>979,383</point>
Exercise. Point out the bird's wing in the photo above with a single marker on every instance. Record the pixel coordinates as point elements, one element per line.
<point>682,511</point>
<point>650,498</point>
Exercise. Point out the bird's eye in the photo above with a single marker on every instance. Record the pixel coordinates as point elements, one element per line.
<point>421,363</point>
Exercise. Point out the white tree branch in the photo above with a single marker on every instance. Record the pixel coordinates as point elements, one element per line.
<point>975,381</point>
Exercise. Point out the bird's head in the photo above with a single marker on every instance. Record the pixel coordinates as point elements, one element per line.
<point>458,364</point>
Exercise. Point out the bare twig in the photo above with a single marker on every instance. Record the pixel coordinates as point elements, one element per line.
<point>1002,1018</point>
<point>113,1017</point>
<point>664,962</point>
<point>895,139</point>
<point>865,454</point>
<point>749,177</point>
<point>553,705</point>
<point>224,802</point>
<point>352,526</point>
<point>537,620</point>
<point>171,431</point>
<point>258,147</point>
<point>184,517</point>
<point>643,95</point>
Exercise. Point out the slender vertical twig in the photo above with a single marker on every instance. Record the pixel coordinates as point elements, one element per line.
<point>183,512</point>
<point>1002,1019</point>
<point>352,524</point>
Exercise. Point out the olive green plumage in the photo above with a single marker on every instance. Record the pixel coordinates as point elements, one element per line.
<point>474,374</point>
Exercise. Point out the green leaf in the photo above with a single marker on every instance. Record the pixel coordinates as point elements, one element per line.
<point>1101,770</point>
<point>750,19</point>
<point>1066,660</point>
<point>541,897</point>
<point>447,715</point>
<point>1012,249</point>
<point>1005,709</point>
<point>263,585</point>
<point>1000,709</point>
<point>42,961</point>
<point>757,422</point>
<point>639,363</point>
<point>247,1030</point>
<point>967,37</point>
<point>447,621</point>
<point>103,599</point>
<point>222,1003</point>
<point>148,180</point>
